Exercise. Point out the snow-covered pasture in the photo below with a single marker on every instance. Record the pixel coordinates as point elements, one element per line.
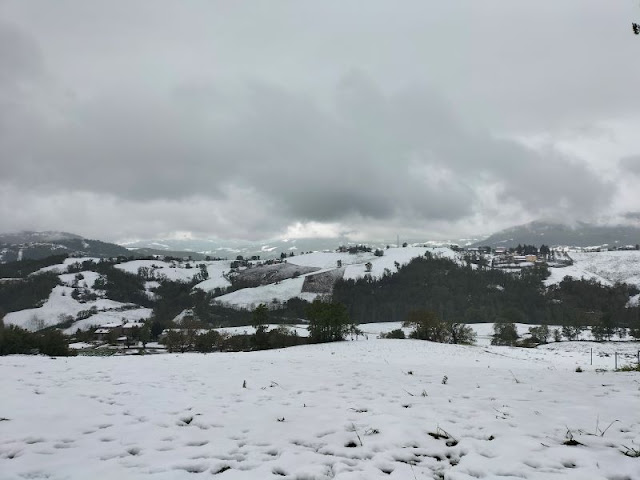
<point>354,264</point>
<point>251,297</point>
<point>61,304</point>
<point>371,409</point>
<point>62,267</point>
<point>605,267</point>
<point>178,271</point>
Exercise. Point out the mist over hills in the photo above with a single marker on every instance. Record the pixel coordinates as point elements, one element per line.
<point>36,245</point>
<point>232,248</point>
<point>554,234</point>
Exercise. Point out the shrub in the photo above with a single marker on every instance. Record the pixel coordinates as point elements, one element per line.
<point>427,326</point>
<point>397,333</point>
<point>540,334</point>
<point>504,333</point>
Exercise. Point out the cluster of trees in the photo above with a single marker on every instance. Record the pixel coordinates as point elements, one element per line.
<point>329,322</point>
<point>194,335</point>
<point>605,329</point>
<point>353,249</point>
<point>121,286</point>
<point>427,326</point>
<point>28,266</point>
<point>504,333</point>
<point>188,339</point>
<point>29,292</point>
<point>462,294</point>
<point>531,250</point>
<point>455,293</point>
<point>16,340</point>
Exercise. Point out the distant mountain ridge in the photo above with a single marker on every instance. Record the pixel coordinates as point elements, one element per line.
<point>232,248</point>
<point>559,234</point>
<point>36,245</point>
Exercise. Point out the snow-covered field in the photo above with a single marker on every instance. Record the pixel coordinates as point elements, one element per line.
<point>604,267</point>
<point>576,271</point>
<point>62,267</point>
<point>621,266</point>
<point>252,297</point>
<point>370,409</point>
<point>178,272</point>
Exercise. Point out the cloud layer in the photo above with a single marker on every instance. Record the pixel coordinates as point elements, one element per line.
<point>239,141</point>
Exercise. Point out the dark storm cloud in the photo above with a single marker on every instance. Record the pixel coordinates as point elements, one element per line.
<point>301,114</point>
<point>373,155</point>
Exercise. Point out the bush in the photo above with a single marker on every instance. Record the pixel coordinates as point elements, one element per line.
<point>540,334</point>
<point>461,334</point>
<point>208,342</point>
<point>427,326</point>
<point>504,333</point>
<point>397,333</point>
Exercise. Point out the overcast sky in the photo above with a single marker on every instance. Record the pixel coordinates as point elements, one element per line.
<point>128,119</point>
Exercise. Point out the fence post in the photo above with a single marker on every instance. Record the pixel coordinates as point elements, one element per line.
<point>615,355</point>
<point>591,356</point>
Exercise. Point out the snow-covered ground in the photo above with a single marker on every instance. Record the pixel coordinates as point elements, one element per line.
<point>110,316</point>
<point>252,297</point>
<point>369,409</point>
<point>621,266</point>
<point>576,271</point>
<point>355,263</point>
<point>605,267</point>
<point>175,271</point>
<point>301,330</point>
<point>62,267</point>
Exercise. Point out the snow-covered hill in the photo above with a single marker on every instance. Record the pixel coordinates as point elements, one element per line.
<point>354,265</point>
<point>605,267</point>
<point>181,271</point>
<point>617,266</point>
<point>36,245</point>
<point>369,409</point>
<point>61,307</point>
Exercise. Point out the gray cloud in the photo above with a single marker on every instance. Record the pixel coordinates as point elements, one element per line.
<point>630,164</point>
<point>298,123</point>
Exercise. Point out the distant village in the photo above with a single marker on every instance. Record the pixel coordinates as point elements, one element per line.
<point>524,256</point>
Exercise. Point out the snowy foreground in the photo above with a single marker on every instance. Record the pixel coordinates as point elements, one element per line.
<point>353,410</point>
